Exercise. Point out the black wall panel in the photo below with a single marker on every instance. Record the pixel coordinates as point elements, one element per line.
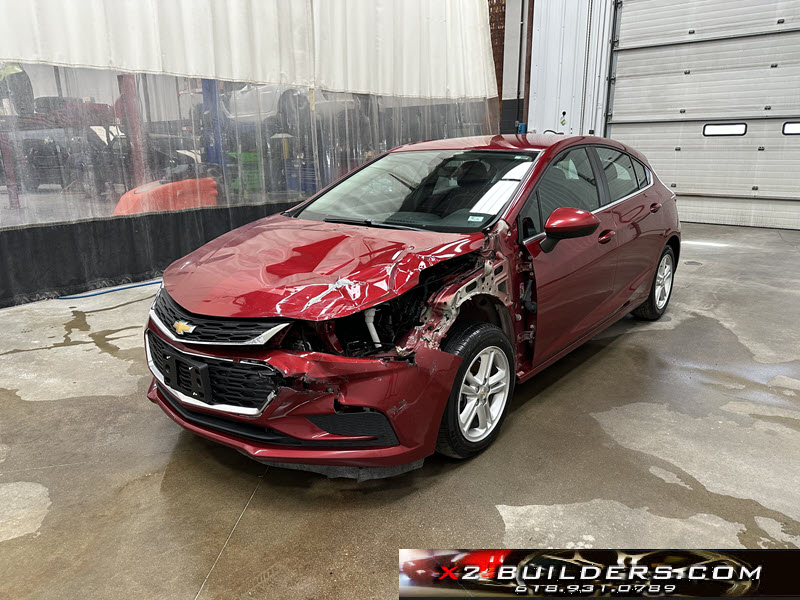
<point>46,261</point>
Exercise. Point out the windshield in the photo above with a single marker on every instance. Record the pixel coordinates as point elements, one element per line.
<point>452,190</point>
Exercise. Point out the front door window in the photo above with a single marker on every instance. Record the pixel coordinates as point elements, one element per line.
<point>570,181</point>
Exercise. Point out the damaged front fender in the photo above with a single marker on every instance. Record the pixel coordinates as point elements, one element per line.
<point>491,278</point>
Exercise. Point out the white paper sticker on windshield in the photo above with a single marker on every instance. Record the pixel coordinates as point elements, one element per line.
<point>474,219</point>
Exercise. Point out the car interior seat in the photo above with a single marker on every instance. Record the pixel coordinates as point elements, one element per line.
<point>471,177</point>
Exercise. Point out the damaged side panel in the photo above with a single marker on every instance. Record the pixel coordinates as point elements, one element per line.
<point>490,277</point>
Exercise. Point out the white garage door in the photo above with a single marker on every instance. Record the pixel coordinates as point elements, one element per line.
<point>709,90</point>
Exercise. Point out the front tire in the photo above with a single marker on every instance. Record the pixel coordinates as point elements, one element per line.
<point>483,385</point>
<point>660,290</point>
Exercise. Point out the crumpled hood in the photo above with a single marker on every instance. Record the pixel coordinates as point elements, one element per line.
<point>285,267</point>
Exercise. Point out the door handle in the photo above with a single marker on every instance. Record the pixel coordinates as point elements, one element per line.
<point>606,236</point>
<point>654,208</point>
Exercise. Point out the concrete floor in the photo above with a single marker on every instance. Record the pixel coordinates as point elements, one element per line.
<point>681,433</point>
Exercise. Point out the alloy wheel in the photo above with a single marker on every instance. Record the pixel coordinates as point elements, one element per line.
<point>663,281</point>
<point>483,394</point>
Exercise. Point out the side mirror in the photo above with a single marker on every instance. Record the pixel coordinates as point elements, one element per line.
<point>564,223</point>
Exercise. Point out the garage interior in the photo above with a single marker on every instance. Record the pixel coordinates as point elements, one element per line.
<point>681,433</point>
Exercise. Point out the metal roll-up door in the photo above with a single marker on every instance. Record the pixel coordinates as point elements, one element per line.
<point>679,70</point>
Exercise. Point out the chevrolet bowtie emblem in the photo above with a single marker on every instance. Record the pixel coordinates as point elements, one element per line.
<point>182,327</point>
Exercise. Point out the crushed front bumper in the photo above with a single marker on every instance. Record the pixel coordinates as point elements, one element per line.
<point>330,410</point>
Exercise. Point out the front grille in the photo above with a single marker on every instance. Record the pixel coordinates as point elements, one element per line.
<point>210,330</point>
<point>214,381</point>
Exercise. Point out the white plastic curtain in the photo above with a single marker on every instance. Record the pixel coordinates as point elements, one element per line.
<point>132,131</point>
<point>124,107</point>
<point>417,48</point>
<point>410,48</point>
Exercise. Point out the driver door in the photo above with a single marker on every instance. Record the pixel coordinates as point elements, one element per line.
<point>575,280</point>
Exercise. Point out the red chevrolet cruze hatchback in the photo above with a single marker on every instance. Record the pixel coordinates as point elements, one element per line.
<point>390,315</point>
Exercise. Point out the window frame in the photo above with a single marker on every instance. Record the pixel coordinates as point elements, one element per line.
<point>723,134</point>
<point>785,123</point>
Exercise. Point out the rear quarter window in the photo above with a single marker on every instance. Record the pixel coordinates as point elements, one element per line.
<point>642,174</point>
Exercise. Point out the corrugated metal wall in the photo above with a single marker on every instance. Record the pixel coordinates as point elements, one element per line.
<point>678,66</point>
<point>569,65</point>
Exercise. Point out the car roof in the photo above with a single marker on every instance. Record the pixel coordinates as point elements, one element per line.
<point>510,142</point>
<point>487,142</point>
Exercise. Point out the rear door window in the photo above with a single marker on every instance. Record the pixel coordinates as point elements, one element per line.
<point>619,173</point>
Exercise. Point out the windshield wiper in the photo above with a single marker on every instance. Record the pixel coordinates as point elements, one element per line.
<point>370,223</point>
<point>402,181</point>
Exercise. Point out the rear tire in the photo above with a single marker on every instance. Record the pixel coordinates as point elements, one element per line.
<point>481,391</point>
<point>661,288</point>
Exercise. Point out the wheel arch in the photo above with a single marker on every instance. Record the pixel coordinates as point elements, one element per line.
<point>675,243</point>
<point>485,308</point>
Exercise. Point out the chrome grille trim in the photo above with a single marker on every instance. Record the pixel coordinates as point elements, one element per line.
<point>258,340</point>
<point>189,401</point>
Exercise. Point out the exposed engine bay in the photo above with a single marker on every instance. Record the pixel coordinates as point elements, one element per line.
<point>420,316</point>
<point>379,329</point>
